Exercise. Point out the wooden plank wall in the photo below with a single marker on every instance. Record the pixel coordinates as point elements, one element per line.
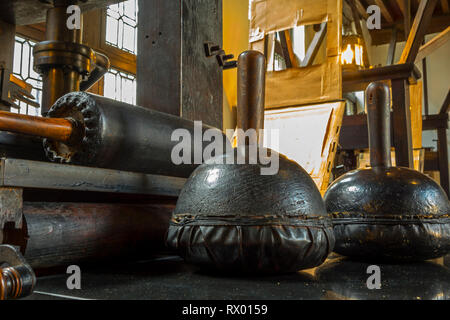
<point>174,74</point>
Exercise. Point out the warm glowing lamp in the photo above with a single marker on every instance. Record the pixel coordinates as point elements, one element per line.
<point>352,52</point>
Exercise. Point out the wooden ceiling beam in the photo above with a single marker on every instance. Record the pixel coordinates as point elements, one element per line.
<point>361,9</point>
<point>346,10</point>
<point>359,30</point>
<point>445,7</point>
<point>405,8</point>
<point>418,30</point>
<point>446,105</point>
<point>407,17</point>
<point>384,11</point>
<point>401,5</point>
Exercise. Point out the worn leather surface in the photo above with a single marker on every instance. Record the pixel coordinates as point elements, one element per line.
<point>389,214</point>
<point>231,245</point>
<point>231,218</point>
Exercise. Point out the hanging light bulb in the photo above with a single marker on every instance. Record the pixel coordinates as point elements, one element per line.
<point>347,55</point>
<point>352,56</point>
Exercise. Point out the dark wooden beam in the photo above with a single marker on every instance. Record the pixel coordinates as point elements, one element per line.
<point>402,123</point>
<point>290,49</point>
<point>171,39</point>
<point>346,10</point>
<point>434,121</point>
<point>434,44</point>
<point>383,35</point>
<point>7,36</point>
<point>361,9</point>
<point>418,30</point>
<point>405,8</point>
<point>439,122</point>
<point>359,80</point>
<point>407,17</point>
<point>314,46</point>
<point>425,86</point>
<point>384,11</point>
<point>431,162</point>
<point>445,7</point>
<point>7,39</point>
<point>416,3</point>
<point>288,52</point>
<point>392,46</point>
<point>443,159</point>
<point>284,49</point>
<point>401,5</point>
<point>354,129</point>
<point>354,132</point>
<point>446,105</point>
<point>354,135</point>
<point>359,30</point>
<point>35,32</point>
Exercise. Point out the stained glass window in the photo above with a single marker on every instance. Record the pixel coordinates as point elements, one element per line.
<point>121,25</point>
<point>120,86</point>
<point>23,69</point>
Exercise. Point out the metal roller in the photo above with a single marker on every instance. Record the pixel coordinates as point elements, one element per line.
<point>91,130</point>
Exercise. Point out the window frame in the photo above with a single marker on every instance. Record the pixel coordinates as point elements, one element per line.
<point>121,60</point>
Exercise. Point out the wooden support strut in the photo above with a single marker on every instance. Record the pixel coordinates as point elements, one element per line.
<point>434,44</point>
<point>314,46</point>
<point>361,9</point>
<point>418,30</point>
<point>392,46</point>
<point>359,30</point>
<point>288,52</point>
<point>384,11</point>
<point>406,16</point>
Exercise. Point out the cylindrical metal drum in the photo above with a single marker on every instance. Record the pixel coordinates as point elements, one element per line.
<point>117,135</point>
<point>61,234</point>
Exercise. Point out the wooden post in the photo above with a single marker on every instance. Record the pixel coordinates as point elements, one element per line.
<point>174,74</point>
<point>392,46</point>
<point>407,17</point>
<point>314,46</point>
<point>443,159</point>
<point>384,11</point>
<point>359,30</point>
<point>445,7</point>
<point>434,44</point>
<point>443,148</point>
<point>402,123</point>
<point>7,33</point>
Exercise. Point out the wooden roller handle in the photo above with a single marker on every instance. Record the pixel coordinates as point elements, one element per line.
<point>251,91</point>
<point>378,103</point>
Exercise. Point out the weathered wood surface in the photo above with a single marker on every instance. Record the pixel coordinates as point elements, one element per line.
<point>175,76</point>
